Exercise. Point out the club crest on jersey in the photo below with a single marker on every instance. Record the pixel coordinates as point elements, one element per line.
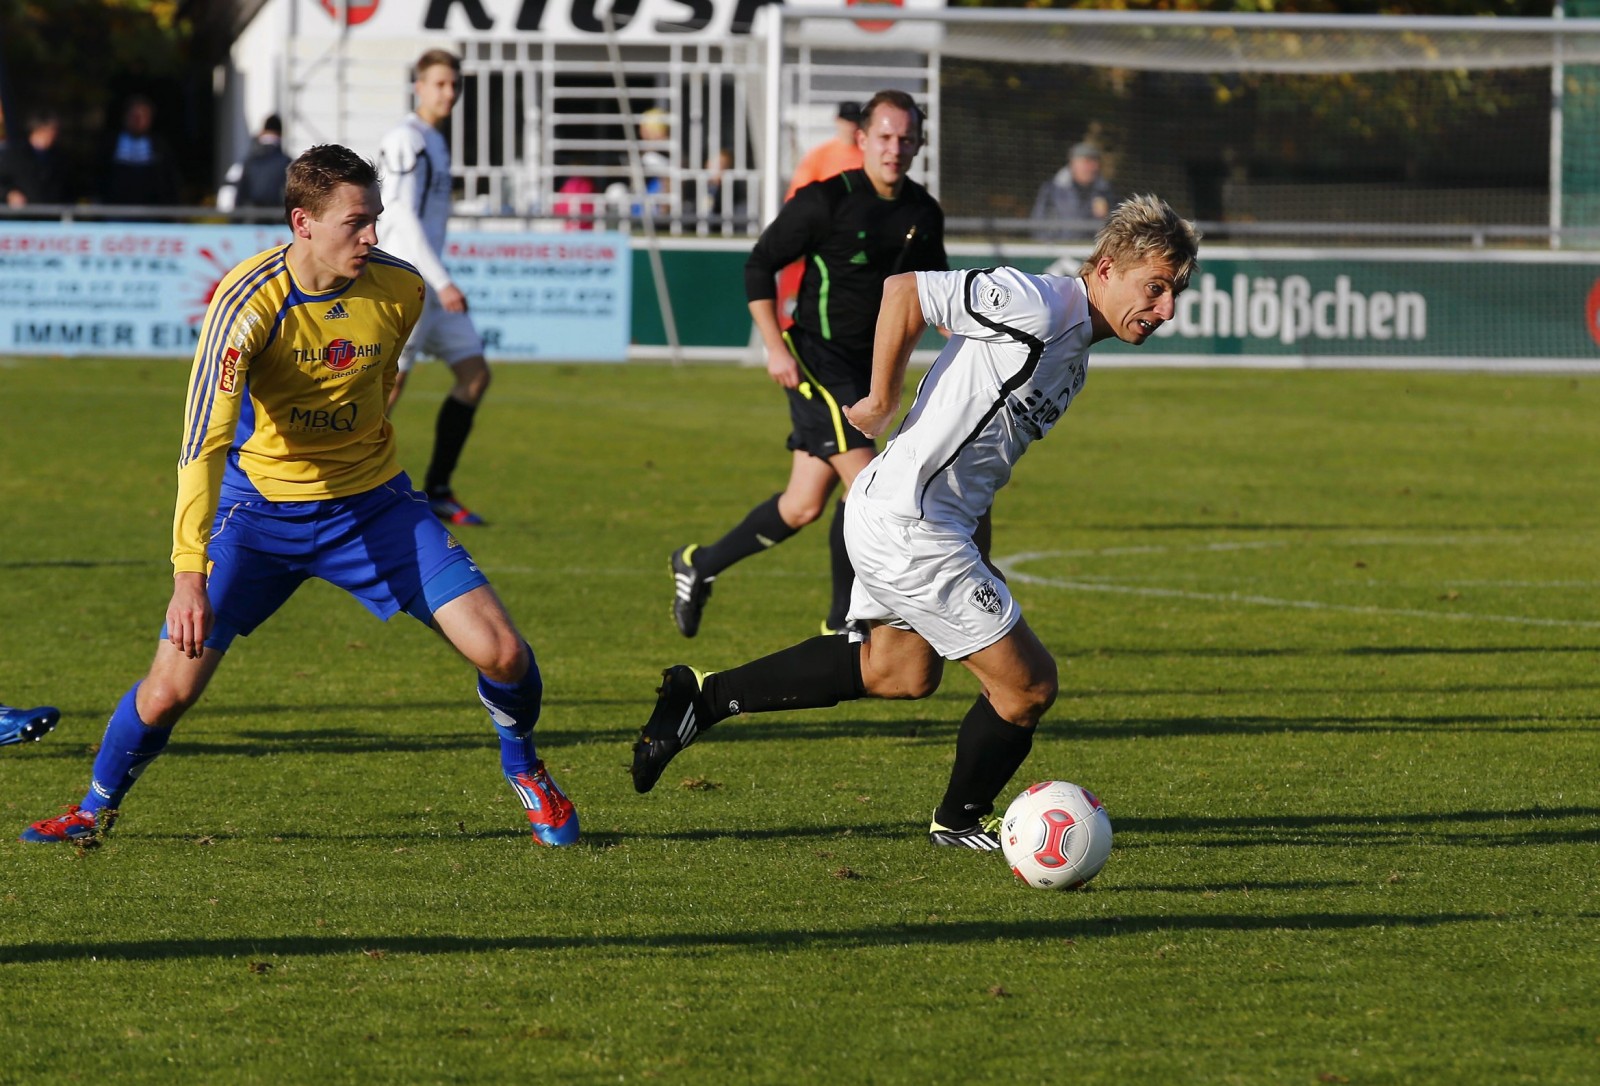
<point>228,379</point>
<point>986,597</point>
<point>994,297</point>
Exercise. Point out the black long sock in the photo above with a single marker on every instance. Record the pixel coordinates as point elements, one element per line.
<point>449,436</point>
<point>761,528</point>
<point>814,674</point>
<point>989,751</point>
<point>844,574</point>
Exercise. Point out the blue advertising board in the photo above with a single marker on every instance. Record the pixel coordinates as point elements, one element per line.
<point>141,289</point>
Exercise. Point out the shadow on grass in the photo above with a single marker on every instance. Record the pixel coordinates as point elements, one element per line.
<point>1110,652</point>
<point>1061,725</point>
<point>593,840</point>
<point>1159,727</point>
<point>760,941</point>
<point>315,742</point>
<point>1200,690</point>
<point>80,563</point>
<point>1516,826</point>
<point>1241,886</point>
<point>1222,524</point>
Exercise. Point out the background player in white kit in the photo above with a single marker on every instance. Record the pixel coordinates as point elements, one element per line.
<point>415,163</point>
<point>1017,357</point>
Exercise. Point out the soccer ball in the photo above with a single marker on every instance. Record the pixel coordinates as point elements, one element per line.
<point>1056,836</point>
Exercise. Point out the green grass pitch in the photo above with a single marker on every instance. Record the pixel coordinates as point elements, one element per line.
<point>1327,646</point>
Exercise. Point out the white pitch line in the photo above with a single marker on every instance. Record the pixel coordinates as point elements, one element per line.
<point>1522,584</point>
<point>1010,564</point>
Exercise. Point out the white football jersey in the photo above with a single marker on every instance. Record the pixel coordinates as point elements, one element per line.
<point>1017,356</point>
<point>414,162</point>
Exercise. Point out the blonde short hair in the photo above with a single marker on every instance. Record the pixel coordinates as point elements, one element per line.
<point>1146,228</point>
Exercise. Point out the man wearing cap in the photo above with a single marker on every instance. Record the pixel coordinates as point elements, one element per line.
<point>834,157</point>
<point>1073,203</point>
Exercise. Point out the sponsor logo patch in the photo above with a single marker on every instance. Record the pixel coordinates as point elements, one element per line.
<point>229,377</point>
<point>306,419</point>
<point>341,352</point>
<point>986,597</point>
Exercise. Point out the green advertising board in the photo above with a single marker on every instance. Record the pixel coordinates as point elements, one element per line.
<point>1266,307</point>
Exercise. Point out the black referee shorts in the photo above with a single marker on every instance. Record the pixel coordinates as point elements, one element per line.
<point>829,379</point>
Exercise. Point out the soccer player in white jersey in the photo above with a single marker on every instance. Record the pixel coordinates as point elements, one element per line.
<point>415,163</point>
<point>1017,357</point>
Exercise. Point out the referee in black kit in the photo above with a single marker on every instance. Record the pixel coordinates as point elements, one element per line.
<point>853,231</point>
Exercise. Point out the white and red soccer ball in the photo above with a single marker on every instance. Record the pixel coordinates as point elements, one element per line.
<point>1056,835</point>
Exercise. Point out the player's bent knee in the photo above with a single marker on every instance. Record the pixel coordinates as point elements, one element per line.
<point>508,663</point>
<point>162,703</point>
<point>1024,706</point>
<point>471,380</point>
<point>798,513</point>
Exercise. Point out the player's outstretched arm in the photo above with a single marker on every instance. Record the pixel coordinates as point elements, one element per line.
<point>900,326</point>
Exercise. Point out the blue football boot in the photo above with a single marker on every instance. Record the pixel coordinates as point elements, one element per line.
<point>26,725</point>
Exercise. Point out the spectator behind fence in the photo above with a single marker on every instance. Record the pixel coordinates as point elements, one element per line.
<point>257,179</point>
<point>654,128</point>
<point>141,168</point>
<point>1074,202</point>
<point>31,169</point>
<point>714,207</point>
<point>833,157</point>
<point>578,202</point>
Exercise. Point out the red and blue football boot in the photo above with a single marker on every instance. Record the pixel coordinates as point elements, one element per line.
<point>550,812</point>
<point>76,825</point>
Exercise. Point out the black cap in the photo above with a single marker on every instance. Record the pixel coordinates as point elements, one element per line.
<point>850,111</point>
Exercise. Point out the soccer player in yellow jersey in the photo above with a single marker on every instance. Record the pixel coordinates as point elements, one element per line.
<point>288,471</point>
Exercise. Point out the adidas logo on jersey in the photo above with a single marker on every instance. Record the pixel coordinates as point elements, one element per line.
<point>338,312</point>
<point>859,258</point>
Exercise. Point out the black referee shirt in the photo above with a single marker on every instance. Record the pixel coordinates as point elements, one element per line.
<point>852,239</point>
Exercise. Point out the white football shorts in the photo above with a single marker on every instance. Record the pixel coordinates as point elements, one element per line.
<point>450,337</point>
<point>917,576</point>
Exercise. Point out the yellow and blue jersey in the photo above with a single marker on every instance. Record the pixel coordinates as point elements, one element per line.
<point>288,392</point>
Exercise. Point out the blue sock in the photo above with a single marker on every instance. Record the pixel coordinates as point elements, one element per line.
<point>514,708</point>
<point>128,748</point>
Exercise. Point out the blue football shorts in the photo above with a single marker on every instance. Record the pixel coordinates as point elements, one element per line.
<point>384,547</point>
